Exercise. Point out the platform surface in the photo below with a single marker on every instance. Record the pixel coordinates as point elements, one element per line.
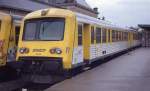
<point>129,72</point>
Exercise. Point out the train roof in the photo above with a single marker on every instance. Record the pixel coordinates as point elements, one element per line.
<point>80,17</point>
<point>91,20</point>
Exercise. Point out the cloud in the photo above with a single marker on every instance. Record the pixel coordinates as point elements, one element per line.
<point>124,12</point>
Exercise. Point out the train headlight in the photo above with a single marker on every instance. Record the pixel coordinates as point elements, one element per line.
<point>58,51</point>
<point>24,50</point>
<point>55,51</point>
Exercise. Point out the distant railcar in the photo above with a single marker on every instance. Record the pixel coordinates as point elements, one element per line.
<point>9,36</point>
<point>60,40</point>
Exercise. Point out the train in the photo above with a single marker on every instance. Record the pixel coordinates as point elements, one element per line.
<point>9,37</point>
<point>59,40</point>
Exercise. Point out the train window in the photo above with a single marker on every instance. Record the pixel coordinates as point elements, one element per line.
<point>80,31</point>
<point>126,36</point>
<point>45,29</point>
<point>123,36</point>
<point>120,36</point>
<point>137,36</point>
<point>98,35</point>
<point>133,36</point>
<point>52,29</point>
<point>17,32</point>
<point>117,35</point>
<point>104,35</point>
<point>30,31</point>
<point>113,36</point>
<point>92,35</point>
<point>0,25</point>
<point>109,33</point>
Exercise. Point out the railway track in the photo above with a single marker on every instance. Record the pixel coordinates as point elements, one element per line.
<point>21,84</point>
<point>12,85</point>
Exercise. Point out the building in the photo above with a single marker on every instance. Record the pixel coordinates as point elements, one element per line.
<point>75,5</point>
<point>22,7</point>
<point>145,34</point>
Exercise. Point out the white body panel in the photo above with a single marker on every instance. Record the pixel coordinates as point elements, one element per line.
<point>78,55</point>
<point>97,50</point>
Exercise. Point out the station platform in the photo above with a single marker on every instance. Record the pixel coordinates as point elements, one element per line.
<point>129,72</point>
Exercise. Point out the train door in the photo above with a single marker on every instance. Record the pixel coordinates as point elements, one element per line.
<point>78,50</point>
<point>93,42</point>
<point>1,45</point>
<point>17,32</point>
<point>98,41</point>
<point>80,43</point>
<point>4,37</point>
<point>13,42</point>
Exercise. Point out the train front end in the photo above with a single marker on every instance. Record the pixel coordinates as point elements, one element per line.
<point>46,41</point>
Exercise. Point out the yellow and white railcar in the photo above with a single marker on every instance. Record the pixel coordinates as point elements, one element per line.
<point>9,35</point>
<point>54,39</point>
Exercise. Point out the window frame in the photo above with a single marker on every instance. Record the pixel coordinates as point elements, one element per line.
<point>92,34</point>
<point>39,20</point>
<point>80,43</point>
<point>104,35</point>
<point>113,35</point>
<point>109,35</point>
<point>98,35</point>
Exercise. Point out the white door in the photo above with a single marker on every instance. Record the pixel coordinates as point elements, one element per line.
<point>78,51</point>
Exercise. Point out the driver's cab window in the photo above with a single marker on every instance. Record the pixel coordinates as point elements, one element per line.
<point>80,32</point>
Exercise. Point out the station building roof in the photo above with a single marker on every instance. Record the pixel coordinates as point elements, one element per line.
<point>145,26</point>
<point>83,2</point>
<point>24,5</point>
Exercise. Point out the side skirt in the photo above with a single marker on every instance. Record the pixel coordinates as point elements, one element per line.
<point>78,68</point>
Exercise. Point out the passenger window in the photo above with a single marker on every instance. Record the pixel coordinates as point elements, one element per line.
<point>92,35</point>
<point>123,36</point>
<point>80,29</point>
<point>109,33</point>
<point>98,35</point>
<point>17,32</point>
<point>119,35</point>
<point>104,35</point>
<point>135,36</point>
<point>113,36</point>
<point>0,25</point>
<point>126,36</point>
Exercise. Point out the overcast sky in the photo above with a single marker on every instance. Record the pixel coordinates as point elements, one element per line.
<point>124,12</point>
